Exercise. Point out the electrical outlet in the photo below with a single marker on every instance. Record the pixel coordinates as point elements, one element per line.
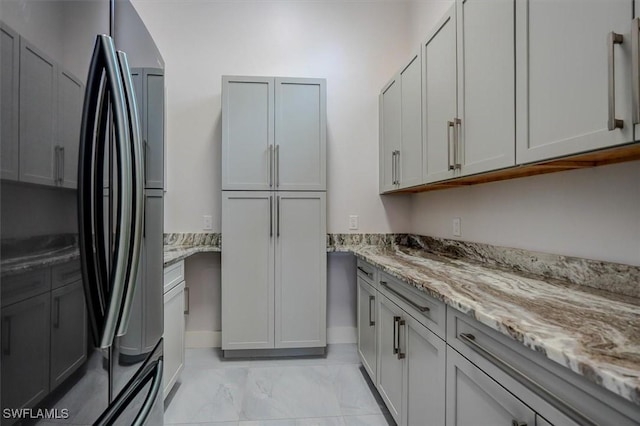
<point>207,222</point>
<point>457,231</point>
<point>353,222</point>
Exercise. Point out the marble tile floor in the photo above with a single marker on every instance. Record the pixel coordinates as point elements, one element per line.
<point>307,391</point>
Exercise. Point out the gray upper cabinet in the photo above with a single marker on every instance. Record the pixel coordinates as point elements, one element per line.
<point>439,99</point>
<point>69,115</point>
<point>247,133</point>
<point>273,134</point>
<point>149,87</point>
<point>300,134</point>
<point>410,155</point>
<point>485,129</point>
<point>567,100</point>
<point>473,398</point>
<point>9,142</point>
<point>38,116</point>
<point>390,134</point>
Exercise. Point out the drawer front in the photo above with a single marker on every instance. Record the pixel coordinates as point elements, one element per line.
<point>173,275</point>
<point>19,287</point>
<point>65,274</point>
<point>558,394</point>
<point>428,311</point>
<point>367,272</point>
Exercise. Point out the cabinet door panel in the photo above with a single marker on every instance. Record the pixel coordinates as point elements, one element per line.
<point>153,122</point>
<point>154,260</point>
<point>426,365</point>
<point>38,115</point>
<point>173,350</point>
<point>390,133</point>
<point>25,352</point>
<point>68,331</point>
<point>486,84</point>
<point>9,118</point>
<point>248,270</point>
<point>301,265</point>
<point>367,327</point>
<point>410,173</point>
<point>473,398</point>
<point>562,76</point>
<point>439,97</point>
<point>70,97</point>
<point>390,381</point>
<point>247,132</point>
<point>300,105</point>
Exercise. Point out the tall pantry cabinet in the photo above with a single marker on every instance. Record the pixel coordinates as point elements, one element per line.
<point>273,213</point>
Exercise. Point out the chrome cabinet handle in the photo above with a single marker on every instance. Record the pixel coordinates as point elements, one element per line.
<point>401,355</point>
<point>396,349</point>
<point>371,321</point>
<point>270,215</point>
<point>56,318</point>
<point>528,382</point>
<point>61,151</point>
<point>277,161</point>
<point>137,178</point>
<point>405,298</point>
<point>397,167</point>
<point>635,68</point>
<point>450,124</point>
<point>364,271</point>
<point>6,348</point>
<point>270,165</point>
<point>456,143</point>
<point>186,301</point>
<point>393,168</point>
<point>145,147</point>
<point>614,123</point>
<point>278,216</point>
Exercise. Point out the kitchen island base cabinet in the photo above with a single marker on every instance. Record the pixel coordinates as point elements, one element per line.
<point>273,270</point>
<point>473,398</point>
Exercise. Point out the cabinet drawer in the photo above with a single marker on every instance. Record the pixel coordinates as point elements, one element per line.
<point>557,393</point>
<point>428,311</point>
<point>367,272</point>
<point>19,287</point>
<point>173,275</point>
<point>65,274</point>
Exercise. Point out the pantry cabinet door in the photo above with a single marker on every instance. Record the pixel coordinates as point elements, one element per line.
<point>486,85</point>
<point>301,268</point>
<point>247,270</point>
<point>301,134</point>
<point>439,108</point>
<point>247,133</point>
<point>563,85</point>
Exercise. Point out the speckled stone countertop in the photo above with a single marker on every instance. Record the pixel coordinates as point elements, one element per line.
<point>594,333</point>
<point>179,246</point>
<point>28,254</point>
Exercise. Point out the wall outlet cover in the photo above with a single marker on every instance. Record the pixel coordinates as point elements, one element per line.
<point>457,231</point>
<point>353,222</point>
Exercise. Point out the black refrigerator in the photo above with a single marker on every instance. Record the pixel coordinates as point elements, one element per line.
<point>81,168</point>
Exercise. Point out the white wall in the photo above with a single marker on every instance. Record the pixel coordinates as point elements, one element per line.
<point>423,17</point>
<point>591,213</point>
<point>355,45</point>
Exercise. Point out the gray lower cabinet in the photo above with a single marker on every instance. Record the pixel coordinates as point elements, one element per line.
<point>273,270</point>
<point>68,331</point>
<point>174,323</point>
<point>390,379</point>
<point>474,398</point>
<point>25,351</point>
<point>367,335</point>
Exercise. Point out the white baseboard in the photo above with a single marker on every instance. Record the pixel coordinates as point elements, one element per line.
<point>342,335</point>
<point>202,339</point>
<point>212,339</point>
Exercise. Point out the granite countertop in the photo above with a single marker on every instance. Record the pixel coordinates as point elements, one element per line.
<point>594,333</point>
<point>180,246</point>
<point>28,254</point>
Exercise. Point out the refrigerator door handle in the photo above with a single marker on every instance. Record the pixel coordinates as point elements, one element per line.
<point>137,188</point>
<point>104,300</point>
